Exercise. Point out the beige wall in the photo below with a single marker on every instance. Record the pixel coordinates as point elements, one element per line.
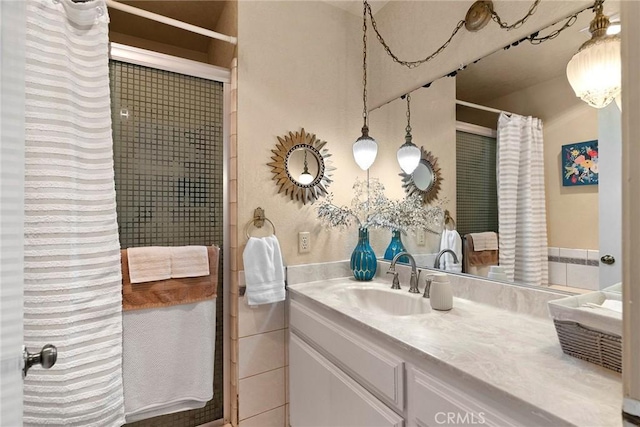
<point>572,212</point>
<point>414,29</point>
<point>298,67</point>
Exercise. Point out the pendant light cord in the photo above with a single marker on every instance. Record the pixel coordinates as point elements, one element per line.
<point>496,18</point>
<point>364,64</point>
<point>533,38</point>
<point>408,128</point>
<point>305,161</point>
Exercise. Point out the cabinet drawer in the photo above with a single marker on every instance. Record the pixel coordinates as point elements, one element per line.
<point>433,402</point>
<point>376,369</point>
<point>324,396</point>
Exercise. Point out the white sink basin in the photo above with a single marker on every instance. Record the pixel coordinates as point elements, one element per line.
<point>384,301</point>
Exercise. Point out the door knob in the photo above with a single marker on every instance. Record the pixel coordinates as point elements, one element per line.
<point>607,259</point>
<point>46,358</point>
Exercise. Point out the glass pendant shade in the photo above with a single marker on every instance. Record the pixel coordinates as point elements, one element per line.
<point>305,178</point>
<point>619,102</point>
<point>365,150</point>
<point>408,156</point>
<point>595,71</point>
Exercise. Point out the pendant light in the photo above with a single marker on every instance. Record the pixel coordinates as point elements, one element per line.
<point>365,149</point>
<point>408,153</point>
<point>595,71</point>
<point>305,176</point>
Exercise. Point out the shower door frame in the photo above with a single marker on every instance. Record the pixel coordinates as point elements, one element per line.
<point>161,61</point>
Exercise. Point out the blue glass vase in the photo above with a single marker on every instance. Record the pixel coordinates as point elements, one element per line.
<point>395,247</point>
<point>363,259</point>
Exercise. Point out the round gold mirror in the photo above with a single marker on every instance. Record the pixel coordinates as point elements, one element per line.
<point>425,180</point>
<point>301,167</point>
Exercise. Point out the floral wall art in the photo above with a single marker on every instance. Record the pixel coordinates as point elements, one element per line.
<point>580,163</point>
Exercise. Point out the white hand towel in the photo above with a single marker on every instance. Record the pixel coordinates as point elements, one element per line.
<point>168,355</point>
<point>263,271</point>
<point>149,264</point>
<point>451,240</point>
<point>189,261</point>
<point>487,241</point>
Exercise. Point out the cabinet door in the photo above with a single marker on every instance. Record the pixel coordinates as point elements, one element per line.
<point>432,402</point>
<point>322,395</point>
<point>377,370</point>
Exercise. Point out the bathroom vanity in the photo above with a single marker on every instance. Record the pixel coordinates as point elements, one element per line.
<point>362,354</point>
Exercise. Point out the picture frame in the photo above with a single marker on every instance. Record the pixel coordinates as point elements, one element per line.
<point>579,162</point>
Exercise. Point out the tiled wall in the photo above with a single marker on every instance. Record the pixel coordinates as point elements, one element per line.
<point>577,268</point>
<point>262,364</point>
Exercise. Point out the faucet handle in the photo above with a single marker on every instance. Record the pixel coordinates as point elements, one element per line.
<point>396,281</point>
<point>427,288</point>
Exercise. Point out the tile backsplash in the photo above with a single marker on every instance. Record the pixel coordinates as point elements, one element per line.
<point>574,267</point>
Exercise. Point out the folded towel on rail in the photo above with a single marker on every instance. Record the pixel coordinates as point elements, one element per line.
<point>451,240</point>
<point>263,271</point>
<point>149,264</point>
<point>189,261</point>
<point>168,292</point>
<point>473,257</point>
<point>152,263</point>
<point>168,357</point>
<point>487,241</point>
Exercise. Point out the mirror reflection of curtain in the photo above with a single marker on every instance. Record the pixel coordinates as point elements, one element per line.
<point>521,199</point>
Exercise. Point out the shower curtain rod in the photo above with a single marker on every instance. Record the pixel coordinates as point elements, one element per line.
<point>170,21</point>
<point>481,107</point>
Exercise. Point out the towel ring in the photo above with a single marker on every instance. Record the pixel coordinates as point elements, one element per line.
<point>258,222</point>
<point>449,220</point>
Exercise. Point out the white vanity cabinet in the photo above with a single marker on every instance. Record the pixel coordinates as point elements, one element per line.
<point>343,374</point>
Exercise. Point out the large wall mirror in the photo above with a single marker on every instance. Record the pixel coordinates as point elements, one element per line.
<point>530,80</point>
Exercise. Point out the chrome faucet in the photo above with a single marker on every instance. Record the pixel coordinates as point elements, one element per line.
<point>415,274</point>
<point>436,264</point>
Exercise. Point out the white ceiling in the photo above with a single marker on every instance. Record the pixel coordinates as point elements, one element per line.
<point>525,65</point>
<point>354,7</point>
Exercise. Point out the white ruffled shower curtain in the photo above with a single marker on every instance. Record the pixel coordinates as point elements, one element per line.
<point>72,295</point>
<point>522,217</point>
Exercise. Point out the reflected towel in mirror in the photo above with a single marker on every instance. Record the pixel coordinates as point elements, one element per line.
<point>487,241</point>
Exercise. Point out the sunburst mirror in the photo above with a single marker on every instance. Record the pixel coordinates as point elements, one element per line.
<point>301,166</point>
<point>425,180</point>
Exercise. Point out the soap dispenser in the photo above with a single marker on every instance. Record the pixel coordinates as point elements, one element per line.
<point>440,294</point>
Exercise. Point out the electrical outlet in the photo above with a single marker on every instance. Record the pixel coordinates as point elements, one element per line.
<point>304,242</point>
<point>421,238</point>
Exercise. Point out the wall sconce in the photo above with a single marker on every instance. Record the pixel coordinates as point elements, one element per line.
<point>594,72</point>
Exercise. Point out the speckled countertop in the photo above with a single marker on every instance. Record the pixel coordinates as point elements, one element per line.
<point>516,353</point>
